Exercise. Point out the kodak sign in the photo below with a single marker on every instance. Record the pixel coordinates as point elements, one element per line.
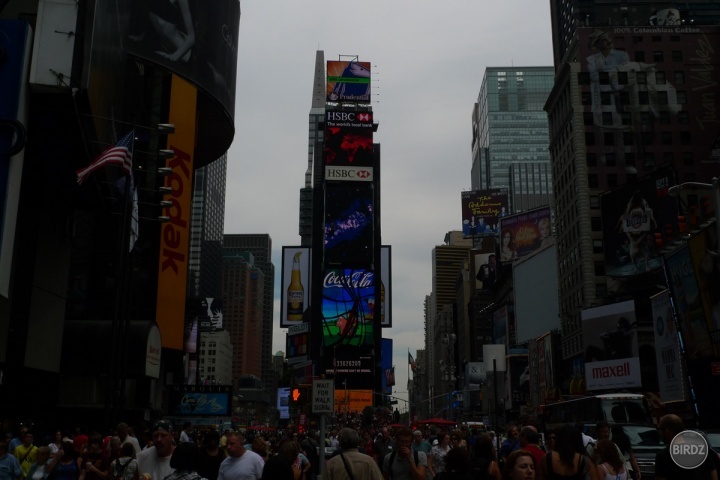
<point>175,234</point>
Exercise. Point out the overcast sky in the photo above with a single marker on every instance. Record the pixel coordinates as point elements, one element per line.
<point>429,58</point>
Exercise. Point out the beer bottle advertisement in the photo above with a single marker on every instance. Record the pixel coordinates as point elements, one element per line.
<point>295,272</point>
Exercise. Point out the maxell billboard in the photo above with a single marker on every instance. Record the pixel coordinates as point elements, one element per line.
<point>348,81</point>
<point>481,210</point>
<point>611,347</point>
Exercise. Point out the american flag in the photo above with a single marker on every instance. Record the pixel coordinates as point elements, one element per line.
<point>120,154</point>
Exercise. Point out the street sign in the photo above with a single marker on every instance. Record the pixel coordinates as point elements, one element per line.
<point>323,399</point>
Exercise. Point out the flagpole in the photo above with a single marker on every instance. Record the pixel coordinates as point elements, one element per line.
<point>408,389</point>
<point>120,314</point>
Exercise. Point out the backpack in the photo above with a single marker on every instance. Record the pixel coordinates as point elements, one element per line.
<point>392,459</point>
<point>118,469</point>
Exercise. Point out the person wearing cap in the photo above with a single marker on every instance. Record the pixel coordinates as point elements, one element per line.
<point>419,443</point>
<point>155,461</point>
<point>241,464</point>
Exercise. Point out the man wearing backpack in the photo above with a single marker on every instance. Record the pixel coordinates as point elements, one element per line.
<point>404,463</point>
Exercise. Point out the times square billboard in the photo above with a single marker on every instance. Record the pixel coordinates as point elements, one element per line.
<point>348,81</point>
<point>652,95</point>
<point>482,210</point>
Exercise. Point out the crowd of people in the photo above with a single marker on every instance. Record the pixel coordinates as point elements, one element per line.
<point>165,452</point>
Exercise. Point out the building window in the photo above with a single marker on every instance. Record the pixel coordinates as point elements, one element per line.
<point>610,159</point>
<point>612,180</point>
<point>593,181</point>
<point>668,157</point>
<point>665,117</point>
<point>609,139</point>
<point>662,97</point>
<point>586,98</point>
<point>605,98</point>
<point>622,78</point>
<point>596,224</point>
<point>626,118</point>
<point>677,56</point>
<point>597,246</point>
<point>685,138</point>
<point>588,118</point>
<point>584,78</point>
<point>666,138</point>
<point>683,118</point>
<point>589,138</point>
<point>607,118</point>
<point>604,78</point>
<point>687,159</point>
<point>599,269</point>
<point>643,98</point>
<point>657,56</point>
<point>594,202</point>
<point>679,77</point>
<point>639,56</point>
<point>682,98</point>
<point>591,160</point>
<point>641,78</point>
<point>649,160</point>
<point>660,78</point>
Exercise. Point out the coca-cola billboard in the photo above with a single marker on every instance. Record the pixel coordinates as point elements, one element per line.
<point>349,307</point>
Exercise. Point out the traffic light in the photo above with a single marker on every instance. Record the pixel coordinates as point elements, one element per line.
<point>299,395</point>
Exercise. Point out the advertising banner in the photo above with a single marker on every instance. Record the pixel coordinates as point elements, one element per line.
<point>348,307</point>
<point>611,347</point>
<point>688,303</point>
<point>349,143</point>
<point>386,286</point>
<point>175,236</point>
<point>283,403</point>
<point>189,38</point>
<point>671,377</point>
<point>518,383</point>
<point>201,315</point>
<point>481,211</point>
<point>295,286</point>
<point>297,343</point>
<point>707,271</point>
<point>500,324</point>
<point>630,87</point>
<point>386,363</point>
<point>348,81</point>
<point>200,400</point>
<point>352,401</point>
<point>523,233</point>
<point>484,264</point>
<point>632,216</point>
<point>349,225</point>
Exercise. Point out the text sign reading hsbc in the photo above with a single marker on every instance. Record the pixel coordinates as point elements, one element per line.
<point>323,399</point>
<point>349,174</point>
<point>334,118</point>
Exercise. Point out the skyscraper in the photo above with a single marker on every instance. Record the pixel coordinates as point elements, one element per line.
<point>315,138</point>
<point>510,128</point>
<point>260,245</point>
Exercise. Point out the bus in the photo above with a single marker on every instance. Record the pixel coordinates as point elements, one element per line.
<point>627,411</point>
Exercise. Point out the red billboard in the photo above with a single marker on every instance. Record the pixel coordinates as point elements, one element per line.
<point>349,140</point>
<point>481,211</point>
<point>348,81</point>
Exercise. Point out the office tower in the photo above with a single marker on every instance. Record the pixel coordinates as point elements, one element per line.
<point>206,230</point>
<point>260,245</point>
<point>616,130</point>
<point>510,128</point>
<point>315,139</point>
<point>243,297</point>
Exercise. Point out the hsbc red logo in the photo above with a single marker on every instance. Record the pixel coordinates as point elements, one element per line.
<point>363,174</point>
<point>364,117</point>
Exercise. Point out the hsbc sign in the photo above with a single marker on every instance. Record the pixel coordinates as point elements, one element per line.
<point>349,119</point>
<point>349,174</point>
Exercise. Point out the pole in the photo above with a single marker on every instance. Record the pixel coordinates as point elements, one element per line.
<point>322,445</point>
<point>495,401</point>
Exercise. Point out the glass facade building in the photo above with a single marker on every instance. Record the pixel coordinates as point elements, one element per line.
<point>510,126</point>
